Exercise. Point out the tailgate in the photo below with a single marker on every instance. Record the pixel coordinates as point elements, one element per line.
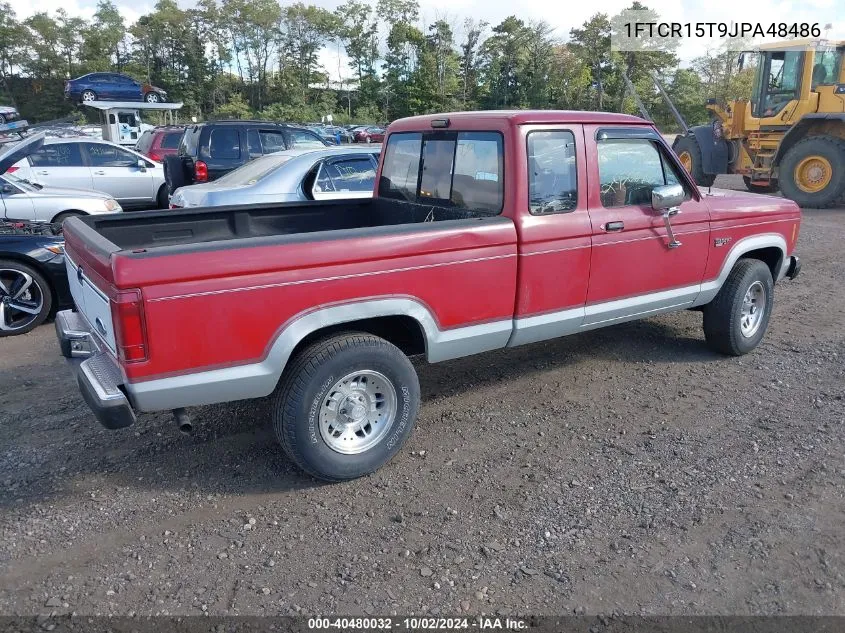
<point>91,302</point>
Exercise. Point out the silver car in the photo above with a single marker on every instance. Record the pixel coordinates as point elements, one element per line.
<point>331,173</point>
<point>22,200</point>
<point>88,163</point>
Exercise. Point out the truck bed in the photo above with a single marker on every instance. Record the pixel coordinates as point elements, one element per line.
<point>135,231</point>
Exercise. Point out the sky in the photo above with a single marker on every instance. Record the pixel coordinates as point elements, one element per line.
<point>561,15</point>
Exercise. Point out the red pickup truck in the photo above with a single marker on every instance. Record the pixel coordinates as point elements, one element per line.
<point>487,230</point>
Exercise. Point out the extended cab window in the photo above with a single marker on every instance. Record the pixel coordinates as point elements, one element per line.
<point>552,172</point>
<point>629,169</point>
<point>456,169</point>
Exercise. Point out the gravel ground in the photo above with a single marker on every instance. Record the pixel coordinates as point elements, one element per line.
<point>625,470</point>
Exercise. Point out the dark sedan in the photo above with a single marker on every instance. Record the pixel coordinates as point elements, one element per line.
<point>33,278</point>
<point>111,87</point>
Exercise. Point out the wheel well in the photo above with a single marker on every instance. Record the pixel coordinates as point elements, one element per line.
<point>66,211</point>
<point>772,256</point>
<point>34,263</point>
<point>403,331</point>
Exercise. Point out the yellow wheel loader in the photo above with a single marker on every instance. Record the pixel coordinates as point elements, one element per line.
<point>789,136</point>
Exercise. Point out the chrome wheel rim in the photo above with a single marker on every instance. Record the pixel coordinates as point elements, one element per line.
<point>21,299</point>
<point>152,98</point>
<point>753,309</point>
<point>358,412</point>
<point>88,96</point>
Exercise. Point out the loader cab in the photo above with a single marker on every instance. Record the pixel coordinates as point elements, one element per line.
<point>777,81</point>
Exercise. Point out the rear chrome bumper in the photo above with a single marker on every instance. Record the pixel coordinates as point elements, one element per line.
<point>98,374</point>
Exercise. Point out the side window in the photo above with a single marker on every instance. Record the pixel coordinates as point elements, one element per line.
<point>127,118</point>
<point>225,143</point>
<point>253,143</point>
<point>826,67</point>
<point>303,139</point>
<point>357,174</point>
<point>57,155</point>
<point>401,166</point>
<point>102,155</point>
<point>629,169</point>
<point>272,141</point>
<point>477,180</point>
<point>552,172</point>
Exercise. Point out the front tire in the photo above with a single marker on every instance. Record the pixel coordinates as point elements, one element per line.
<point>61,217</point>
<point>345,406</point>
<point>25,298</point>
<point>689,153</point>
<point>811,172</point>
<point>736,320</point>
<point>152,97</point>
<point>163,199</point>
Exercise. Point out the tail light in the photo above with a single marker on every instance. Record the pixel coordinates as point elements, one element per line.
<point>127,311</point>
<point>12,169</point>
<point>156,156</point>
<point>200,171</point>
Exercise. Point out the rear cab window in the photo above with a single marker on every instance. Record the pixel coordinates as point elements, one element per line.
<point>462,170</point>
<point>170,140</point>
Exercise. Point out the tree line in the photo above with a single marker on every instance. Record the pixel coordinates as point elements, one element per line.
<point>259,58</point>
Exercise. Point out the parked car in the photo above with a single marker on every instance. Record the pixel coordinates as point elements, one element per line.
<point>487,230</point>
<point>158,142</point>
<point>133,180</point>
<point>209,150</point>
<point>8,114</point>
<point>33,277</point>
<point>369,135</point>
<point>22,200</point>
<point>289,176</point>
<point>111,87</point>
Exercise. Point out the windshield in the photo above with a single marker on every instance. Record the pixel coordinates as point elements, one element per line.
<point>253,171</point>
<point>18,182</point>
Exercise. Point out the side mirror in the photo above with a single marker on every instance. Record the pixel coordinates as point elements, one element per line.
<point>667,199</point>
<point>667,196</point>
<point>7,189</point>
<point>142,164</point>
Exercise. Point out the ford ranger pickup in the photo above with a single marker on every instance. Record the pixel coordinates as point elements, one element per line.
<point>487,230</point>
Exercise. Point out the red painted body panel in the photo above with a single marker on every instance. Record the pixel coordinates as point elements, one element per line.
<point>224,307</point>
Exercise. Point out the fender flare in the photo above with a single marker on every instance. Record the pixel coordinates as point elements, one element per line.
<point>709,289</point>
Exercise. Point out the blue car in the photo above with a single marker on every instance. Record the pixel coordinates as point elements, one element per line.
<point>111,87</point>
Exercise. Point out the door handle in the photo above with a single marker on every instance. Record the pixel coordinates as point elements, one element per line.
<point>618,225</point>
<point>100,173</point>
<point>43,173</point>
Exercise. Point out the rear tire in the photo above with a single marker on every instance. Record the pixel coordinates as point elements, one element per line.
<point>689,153</point>
<point>163,198</point>
<point>345,406</point>
<point>38,296</point>
<point>88,96</point>
<point>736,320</point>
<point>772,187</point>
<point>174,173</point>
<point>811,172</point>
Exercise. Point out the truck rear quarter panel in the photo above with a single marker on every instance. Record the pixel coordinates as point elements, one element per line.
<point>225,306</point>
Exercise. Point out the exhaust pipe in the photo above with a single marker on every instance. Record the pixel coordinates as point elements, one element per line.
<point>183,421</point>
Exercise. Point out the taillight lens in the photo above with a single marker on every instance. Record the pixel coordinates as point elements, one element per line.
<point>12,169</point>
<point>127,310</point>
<point>200,171</point>
<point>155,156</point>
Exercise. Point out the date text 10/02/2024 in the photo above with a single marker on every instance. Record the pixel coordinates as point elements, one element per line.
<point>418,624</point>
